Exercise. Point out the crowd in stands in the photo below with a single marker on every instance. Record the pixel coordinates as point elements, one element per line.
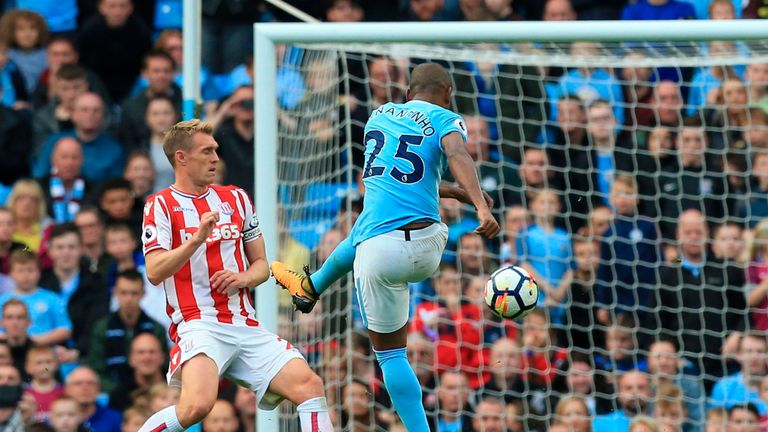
<point>637,197</point>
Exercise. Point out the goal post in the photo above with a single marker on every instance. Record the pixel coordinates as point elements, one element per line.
<point>270,196</point>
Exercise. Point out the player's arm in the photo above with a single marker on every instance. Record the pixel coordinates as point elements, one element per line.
<point>450,191</point>
<point>258,270</point>
<point>463,169</point>
<point>162,264</point>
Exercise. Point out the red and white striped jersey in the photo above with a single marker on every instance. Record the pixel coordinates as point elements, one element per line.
<point>171,217</point>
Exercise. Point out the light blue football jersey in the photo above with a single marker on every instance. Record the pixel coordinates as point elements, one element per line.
<point>404,162</point>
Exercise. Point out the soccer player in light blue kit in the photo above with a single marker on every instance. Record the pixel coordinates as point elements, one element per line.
<point>399,238</point>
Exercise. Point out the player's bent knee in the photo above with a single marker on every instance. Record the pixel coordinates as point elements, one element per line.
<point>193,411</point>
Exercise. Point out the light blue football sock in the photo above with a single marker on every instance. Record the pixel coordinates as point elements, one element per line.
<point>404,388</point>
<point>338,264</point>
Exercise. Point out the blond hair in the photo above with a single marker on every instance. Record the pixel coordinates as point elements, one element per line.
<point>179,135</point>
<point>669,395</point>
<point>560,408</point>
<point>26,187</point>
<point>645,421</point>
<point>758,243</point>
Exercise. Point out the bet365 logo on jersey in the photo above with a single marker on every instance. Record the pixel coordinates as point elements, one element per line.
<point>219,232</point>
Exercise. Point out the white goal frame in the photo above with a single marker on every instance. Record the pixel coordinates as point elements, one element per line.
<point>266,36</point>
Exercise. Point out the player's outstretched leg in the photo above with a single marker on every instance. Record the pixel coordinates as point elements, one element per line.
<point>402,385</point>
<point>305,290</point>
<point>297,383</point>
<point>200,388</point>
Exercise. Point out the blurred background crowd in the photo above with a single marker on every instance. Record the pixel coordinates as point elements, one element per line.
<point>636,196</point>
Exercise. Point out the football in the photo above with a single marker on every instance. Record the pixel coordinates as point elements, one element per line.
<point>511,292</point>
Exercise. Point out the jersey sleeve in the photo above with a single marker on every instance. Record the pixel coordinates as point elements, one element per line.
<point>251,230</point>
<point>448,122</point>
<point>156,228</point>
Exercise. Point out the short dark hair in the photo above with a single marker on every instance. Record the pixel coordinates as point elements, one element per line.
<point>71,72</point>
<point>692,122</point>
<point>62,229</point>
<point>156,53</point>
<point>118,227</point>
<point>132,275</point>
<point>749,406</point>
<point>23,256</point>
<point>163,98</point>
<point>117,183</point>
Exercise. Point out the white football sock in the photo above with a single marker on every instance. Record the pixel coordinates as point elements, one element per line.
<point>164,420</point>
<point>313,415</point>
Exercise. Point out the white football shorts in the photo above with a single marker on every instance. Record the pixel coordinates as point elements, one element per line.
<point>249,356</point>
<point>385,264</point>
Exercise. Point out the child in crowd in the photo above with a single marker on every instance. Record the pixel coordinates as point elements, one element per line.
<point>580,326</point>
<point>507,372</point>
<point>121,246</point>
<point>50,323</point>
<point>621,347</point>
<point>222,418</point>
<point>133,419</point>
<point>66,415</point>
<point>160,116</point>
<point>545,251</point>
<point>26,33</point>
<point>716,420</point>
<point>629,255</point>
<point>667,368</point>
<point>516,220</point>
<point>43,366</point>
<point>728,242</point>
<point>542,354</point>
<point>670,410</point>
<point>117,204</point>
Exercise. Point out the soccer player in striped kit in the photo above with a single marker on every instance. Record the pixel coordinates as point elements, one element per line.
<point>204,244</point>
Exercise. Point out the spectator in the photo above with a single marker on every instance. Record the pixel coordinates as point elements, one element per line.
<point>694,185</point>
<point>658,10</point>
<point>757,276</point>
<point>757,133</point>
<point>223,418</point>
<point>83,386</point>
<point>703,333</point>
<point>32,225</point>
<point>506,381</point>
<point>559,10</point>
<point>572,412</point>
<point>638,90</point>
<point>91,231</point>
<point>629,256</point>
<point>112,44</point>
<point>7,244</point>
<point>161,115</point>
<point>743,387</point>
<point>245,404</point>
<point>357,401</point>
<point>474,258</point>
<point>117,205</point>
<point>590,84</point>
<point>581,313</point>
<point>421,356</point>
<point>514,418</point>
<point>15,136</point>
<point>424,10</point>
<point>20,413</point>
<point>157,68</point>
<point>583,381</point>
<point>26,33</point>
<point>146,359</point>
<point>451,323</point>
<point>716,419</point>
<point>756,208</point>
<point>14,89</point>
<point>728,242</point>
<point>497,179</point>
<point>543,358</point>
<point>621,353</point>
<point>728,118</point>
<point>344,11</point>
<point>669,409</point>
<point>42,366</point>
<point>453,395</point>
<point>66,415</point>
<point>140,172</point>
<point>664,365</point>
<point>235,138</point>
<point>756,76</point>
<point>489,415</point>
<point>61,51</point>
<point>668,104</point>
<point>49,323</point>
<point>122,248</point>
<point>102,155</point>
<point>546,253</point>
<point>634,400</point>
<point>112,335</point>
<point>69,82</point>
<point>134,418</point>
<point>705,85</point>
<point>644,423</point>
<point>516,221</point>
<point>536,175</point>
<point>745,418</point>
<point>64,188</point>
<point>737,181</point>
<point>83,292</point>
<point>15,323</point>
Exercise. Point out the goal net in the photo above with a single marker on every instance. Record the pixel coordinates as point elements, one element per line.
<point>630,177</point>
